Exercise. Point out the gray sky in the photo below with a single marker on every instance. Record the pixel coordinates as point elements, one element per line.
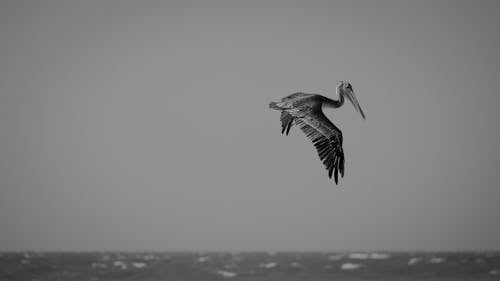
<point>145,125</point>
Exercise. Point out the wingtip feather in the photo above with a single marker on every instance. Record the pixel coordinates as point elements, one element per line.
<point>336,173</point>
<point>289,126</point>
<point>330,171</point>
<point>342,162</point>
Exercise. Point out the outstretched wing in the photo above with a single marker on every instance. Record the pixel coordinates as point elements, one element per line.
<point>326,138</point>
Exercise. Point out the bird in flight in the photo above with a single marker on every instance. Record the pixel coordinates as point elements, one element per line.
<point>305,111</point>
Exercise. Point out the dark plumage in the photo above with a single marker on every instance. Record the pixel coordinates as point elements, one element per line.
<point>305,111</point>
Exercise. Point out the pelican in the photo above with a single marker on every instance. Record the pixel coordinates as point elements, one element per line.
<point>305,111</point>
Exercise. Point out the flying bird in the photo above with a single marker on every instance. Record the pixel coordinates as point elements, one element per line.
<point>305,111</point>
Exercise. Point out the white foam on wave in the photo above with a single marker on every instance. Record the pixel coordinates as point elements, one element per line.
<point>350,266</point>
<point>120,264</point>
<point>414,261</point>
<point>139,264</point>
<point>437,260</point>
<point>203,259</point>
<point>495,272</point>
<point>268,265</point>
<point>335,257</point>
<point>227,274</point>
<point>98,265</point>
<point>379,256</point>
<point>148,257</point>
<point>359,256</point>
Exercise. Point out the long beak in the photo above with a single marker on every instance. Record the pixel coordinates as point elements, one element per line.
<point>352,98</point>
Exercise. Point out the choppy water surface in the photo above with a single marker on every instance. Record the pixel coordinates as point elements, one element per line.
<point>250,266</point>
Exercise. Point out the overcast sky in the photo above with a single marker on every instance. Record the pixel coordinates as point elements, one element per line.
<point>144,125</point>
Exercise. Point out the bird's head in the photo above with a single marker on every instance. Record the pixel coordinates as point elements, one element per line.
<point>344,89</point>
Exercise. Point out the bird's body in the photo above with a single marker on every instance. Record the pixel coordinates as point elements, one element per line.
<point>305,111</point>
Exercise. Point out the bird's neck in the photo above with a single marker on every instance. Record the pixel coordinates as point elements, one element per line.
<point>335,103</point>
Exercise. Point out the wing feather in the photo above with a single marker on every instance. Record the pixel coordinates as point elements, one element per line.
<point>327,140</point>
<point>286,122</point>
